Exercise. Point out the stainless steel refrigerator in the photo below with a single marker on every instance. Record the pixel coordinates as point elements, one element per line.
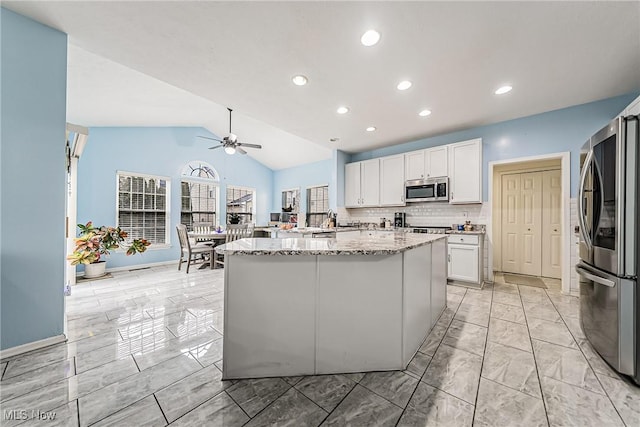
<point>608,213</point>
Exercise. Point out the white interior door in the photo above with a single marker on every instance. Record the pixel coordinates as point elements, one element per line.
<point>511,223</point>
<point>551,224</point>
<point>522,223</point>
<point>531,257</point>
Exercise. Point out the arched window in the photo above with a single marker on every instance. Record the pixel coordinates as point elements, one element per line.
<point>200,194</point>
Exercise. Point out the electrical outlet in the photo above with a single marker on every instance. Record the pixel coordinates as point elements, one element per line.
<point>465,214</point>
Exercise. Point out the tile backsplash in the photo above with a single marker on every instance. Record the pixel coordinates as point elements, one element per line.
<point>445,214</point>
<point>421,214</point>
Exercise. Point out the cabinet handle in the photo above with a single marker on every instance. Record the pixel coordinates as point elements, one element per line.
<point>449,257</point>
<point>452,195</point>
<point>528,229</point>
<point>555,230</point>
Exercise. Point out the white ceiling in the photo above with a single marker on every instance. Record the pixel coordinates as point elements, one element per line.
<point>243,55</point>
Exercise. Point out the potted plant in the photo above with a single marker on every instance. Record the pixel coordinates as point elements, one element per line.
<point>94,242</point>
<point>234,218</point>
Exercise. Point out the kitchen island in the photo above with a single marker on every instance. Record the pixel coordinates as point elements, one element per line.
<point>320,306</point>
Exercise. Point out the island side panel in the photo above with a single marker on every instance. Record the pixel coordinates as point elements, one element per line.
<point>438,279</point>
<point>269,327</point>
<point>359,313</point>
<point>417,299</point>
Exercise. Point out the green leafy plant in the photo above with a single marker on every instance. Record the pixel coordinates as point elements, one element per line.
<point>93,242</point>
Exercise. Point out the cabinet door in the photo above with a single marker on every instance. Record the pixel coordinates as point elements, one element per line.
<point>414,165</point>
<point>352,185</point>
<point>370,182</point>
<point>392,181</point>
<point>464,263</point>
<point>465,172</point>
<point>438,279</point>
<point>437,161</point>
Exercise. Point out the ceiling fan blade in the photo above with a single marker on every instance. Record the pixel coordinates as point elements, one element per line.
<point>244,144</point>
<point>240,150</point>
<point>216,146</point>
<point>206,137</point>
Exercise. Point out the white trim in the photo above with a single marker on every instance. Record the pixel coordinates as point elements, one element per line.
<point>134,267</point>
<point>143,175</point>
<point>316,186</point>
<point>565,164</point>
<point>35,345</point>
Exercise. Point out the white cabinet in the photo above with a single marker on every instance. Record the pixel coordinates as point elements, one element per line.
<point>633,109</point>
<point>392,181</point>
<point>414,165</point>
<point>465,258</point>
<point>432,162</point>
<point>362,184</point>
<point>436,161</point>
<point>352,185</point>
<point>465,172</point>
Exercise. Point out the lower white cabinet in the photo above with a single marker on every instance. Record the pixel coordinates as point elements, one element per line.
<point>464,258</point>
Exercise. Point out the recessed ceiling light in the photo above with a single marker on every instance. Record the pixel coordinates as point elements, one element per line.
<point>299,80</point>
<point>334,139</point>
<point>370,38</point>
<point>424,113</point>
<point>404,85</point>
<point>371,128</point>
<point>502,90</point>
<point>342,110</point>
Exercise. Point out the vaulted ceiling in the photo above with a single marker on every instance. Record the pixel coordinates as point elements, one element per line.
<point>182,63</point>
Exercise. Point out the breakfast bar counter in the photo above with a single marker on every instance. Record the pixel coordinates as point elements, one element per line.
<point>320,306</point>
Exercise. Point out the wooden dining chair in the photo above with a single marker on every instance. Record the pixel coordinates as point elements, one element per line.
<point>235,232</point>
<point>191,251</point>
<point>202,229</point>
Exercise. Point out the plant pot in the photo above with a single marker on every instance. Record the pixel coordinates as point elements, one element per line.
<point>96,269</point>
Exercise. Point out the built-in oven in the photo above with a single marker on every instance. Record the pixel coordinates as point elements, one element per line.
<point>427,190</point>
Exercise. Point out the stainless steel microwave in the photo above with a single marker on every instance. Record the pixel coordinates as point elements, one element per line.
<point>427,190</point>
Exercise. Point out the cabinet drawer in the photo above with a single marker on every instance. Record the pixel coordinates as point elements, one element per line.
<point>464,239</point>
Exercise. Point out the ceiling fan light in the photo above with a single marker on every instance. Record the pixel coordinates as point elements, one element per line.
<point>230,149</point>
<point>503,89</point>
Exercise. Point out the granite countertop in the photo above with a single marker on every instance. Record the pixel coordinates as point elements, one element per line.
<point>316,230</point>
<point>391,243</point>
<point>477,232</point>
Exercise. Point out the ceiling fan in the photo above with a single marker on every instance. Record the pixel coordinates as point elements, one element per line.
<point>230,143</point>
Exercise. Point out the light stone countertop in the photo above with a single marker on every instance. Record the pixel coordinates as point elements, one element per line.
<point>391,243</point>
<point>477,232</point>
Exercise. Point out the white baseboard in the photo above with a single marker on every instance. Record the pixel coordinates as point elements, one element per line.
<point>135,267</point>
<point>24,348</point>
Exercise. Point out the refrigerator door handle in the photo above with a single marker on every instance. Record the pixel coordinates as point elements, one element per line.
<point>601,280</point>
<point>583,230</point>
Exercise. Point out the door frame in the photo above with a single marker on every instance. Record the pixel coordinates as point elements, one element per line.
<point>565,194</point>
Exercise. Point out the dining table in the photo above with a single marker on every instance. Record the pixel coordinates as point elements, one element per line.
<point>208,237</point>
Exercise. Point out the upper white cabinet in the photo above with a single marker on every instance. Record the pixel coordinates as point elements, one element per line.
<point>437,161</point>
<point>431,162</point>
<point>633,109</point>
<point>392,180</point>
<point>465,172</point>
<point>352,185</point>
<point>362,184</point>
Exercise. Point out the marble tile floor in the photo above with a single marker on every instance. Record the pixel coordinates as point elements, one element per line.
<point>145,348</point>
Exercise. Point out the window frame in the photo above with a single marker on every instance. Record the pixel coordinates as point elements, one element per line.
<point>254,208</point>
<point>167,211</point>
<point>214,183</point>
<point>308,213</point>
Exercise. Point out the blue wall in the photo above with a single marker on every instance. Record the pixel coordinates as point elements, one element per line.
<point>552,132</point>
<point>32,175</point>
<point>159,151</point>
<point>308,175</point>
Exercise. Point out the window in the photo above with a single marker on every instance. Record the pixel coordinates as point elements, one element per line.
<point>291,200</point>
<point>143,206</point>
<point>199,195</point>
<point>317,205</point>
<point>240,205</point>
<point>199,204</point>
